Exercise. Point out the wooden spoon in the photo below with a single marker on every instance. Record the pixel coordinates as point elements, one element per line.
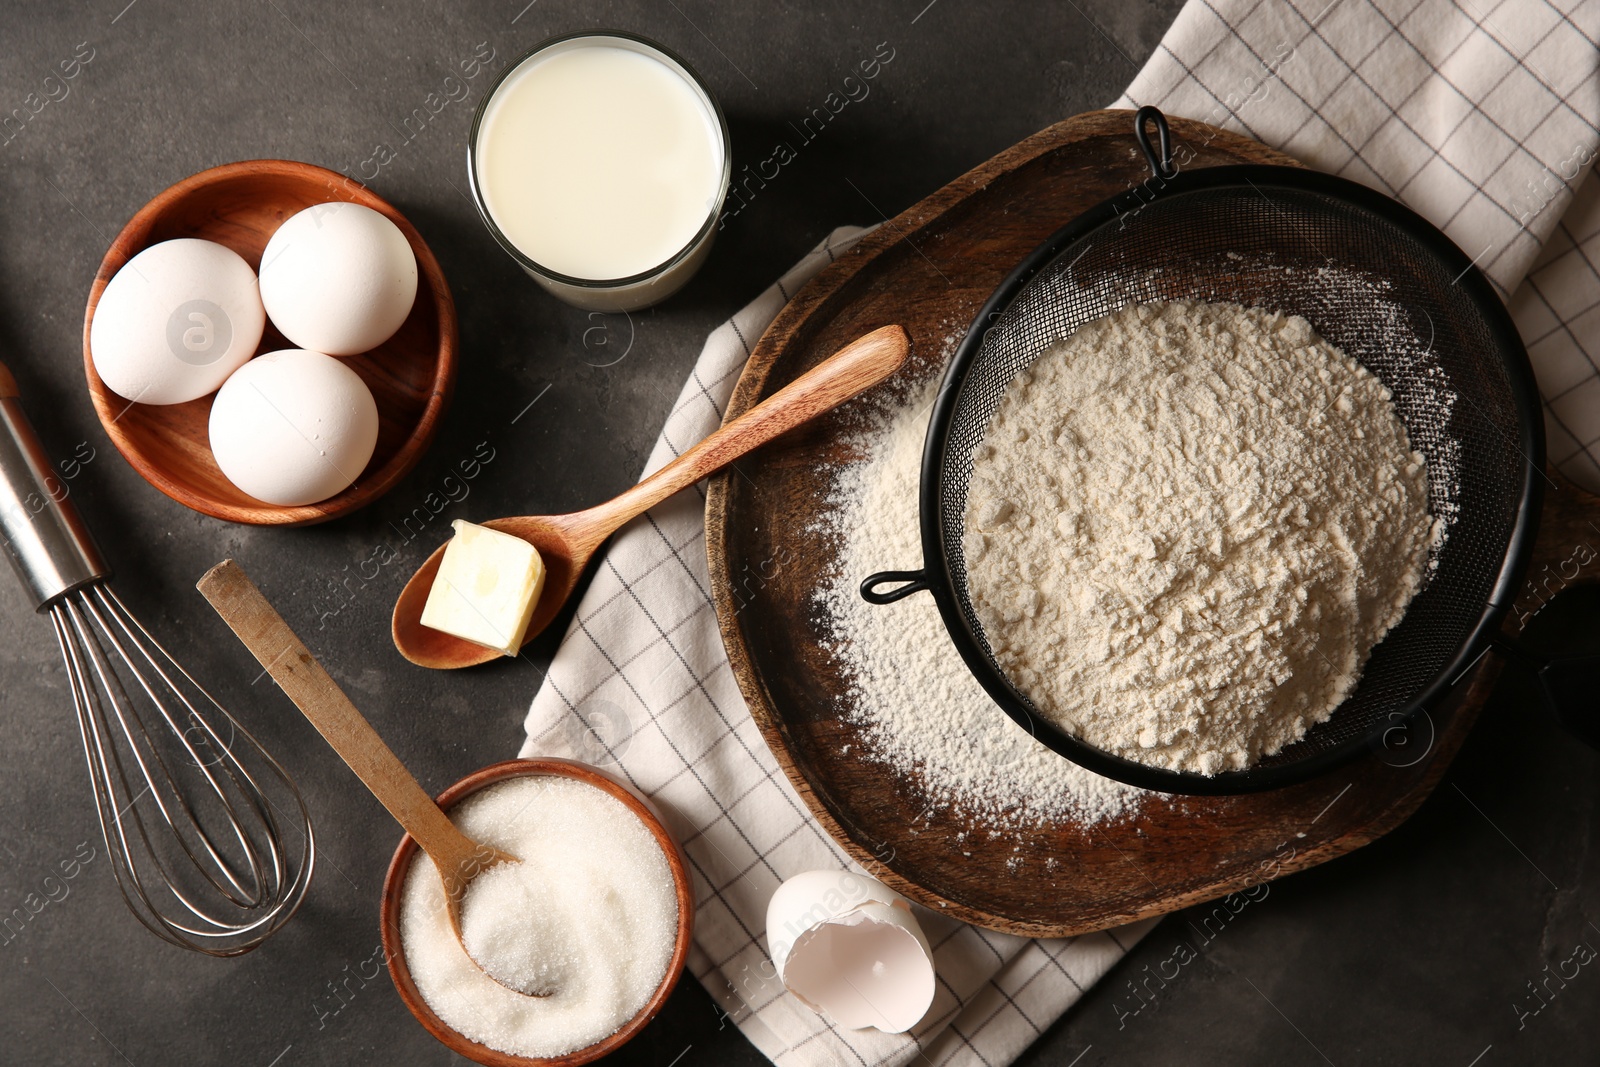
<point>458,857</point>
<point>566,542</point>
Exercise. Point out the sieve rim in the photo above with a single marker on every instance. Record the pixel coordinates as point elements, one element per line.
<point>1507,348</point>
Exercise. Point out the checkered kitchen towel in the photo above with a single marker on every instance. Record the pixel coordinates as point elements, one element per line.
<point>1483,119</point>
<point>642,686</point>
<point>1480,115</point>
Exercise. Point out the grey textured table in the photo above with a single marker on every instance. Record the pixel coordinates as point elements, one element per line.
<point>1426,947</point>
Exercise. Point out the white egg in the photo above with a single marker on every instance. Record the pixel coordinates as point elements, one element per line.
<point>293,427</point>
<point>175,321</point>
<point>338,278</point>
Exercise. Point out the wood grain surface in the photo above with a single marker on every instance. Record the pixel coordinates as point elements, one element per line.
<point>411,375</point>
<point>930,269</point>
<point>566,542</point>
<point>457,857</point>
<point>308,685</point>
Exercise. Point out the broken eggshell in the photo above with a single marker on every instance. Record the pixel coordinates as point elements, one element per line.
<point>849,947</point>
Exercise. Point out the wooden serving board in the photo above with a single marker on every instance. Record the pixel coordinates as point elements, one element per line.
<point>930,269</point>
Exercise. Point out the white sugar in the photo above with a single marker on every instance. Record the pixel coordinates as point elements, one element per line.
<point>589,917</point>
<point>920,711</point>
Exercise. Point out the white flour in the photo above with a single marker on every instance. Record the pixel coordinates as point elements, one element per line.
<point>921,712</point>
<point>1188,525</point>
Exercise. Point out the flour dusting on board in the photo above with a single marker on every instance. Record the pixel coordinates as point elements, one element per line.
<point>920,711</point>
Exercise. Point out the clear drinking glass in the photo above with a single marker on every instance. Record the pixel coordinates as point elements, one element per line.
<point>641,289</point>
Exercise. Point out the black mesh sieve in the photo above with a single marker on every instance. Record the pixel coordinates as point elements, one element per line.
<point>1371,277</point>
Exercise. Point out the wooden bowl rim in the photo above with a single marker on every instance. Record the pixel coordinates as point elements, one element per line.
<point>135,235</point>
<point>640,805</point>
<point>752,386</point>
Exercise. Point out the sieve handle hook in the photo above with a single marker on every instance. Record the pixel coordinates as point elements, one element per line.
<point>913,582</point>
<point>1161,165</point>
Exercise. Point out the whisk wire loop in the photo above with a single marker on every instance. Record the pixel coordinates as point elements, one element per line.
<point>218,878</point>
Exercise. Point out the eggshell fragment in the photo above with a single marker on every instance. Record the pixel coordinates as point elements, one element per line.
<point>849,947</point>
<point>338,278</point>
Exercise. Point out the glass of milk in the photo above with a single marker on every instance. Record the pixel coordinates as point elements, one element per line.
<point>600,162</point>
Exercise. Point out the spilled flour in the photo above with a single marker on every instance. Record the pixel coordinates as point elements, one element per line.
<point>919,709</point>
<point>1187,527</point>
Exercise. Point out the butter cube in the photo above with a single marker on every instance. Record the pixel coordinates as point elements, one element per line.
<point>486,588</point>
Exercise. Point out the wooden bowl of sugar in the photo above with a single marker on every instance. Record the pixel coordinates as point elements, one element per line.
<point>569,823</point>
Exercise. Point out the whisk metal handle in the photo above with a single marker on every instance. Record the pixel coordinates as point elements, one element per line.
<point>47,543</point>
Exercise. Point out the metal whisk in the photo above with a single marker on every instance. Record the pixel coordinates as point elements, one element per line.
<point>210,841</point>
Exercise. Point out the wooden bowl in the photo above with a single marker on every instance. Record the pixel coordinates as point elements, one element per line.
<point>411,375</point>
<point>636,802</point>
